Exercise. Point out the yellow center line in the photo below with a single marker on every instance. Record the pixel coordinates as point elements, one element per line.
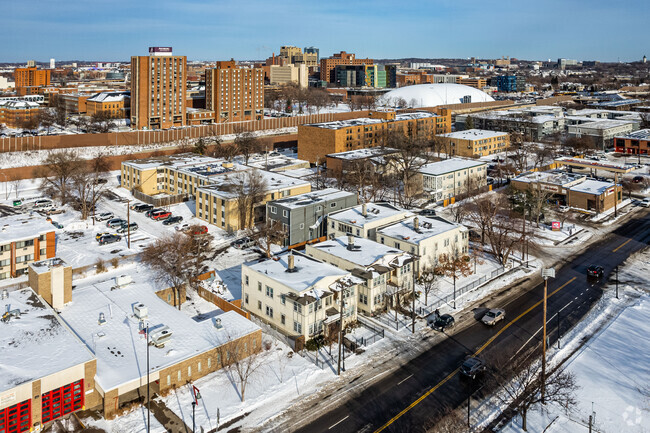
<point>482,348</point>
<point>621,246</point>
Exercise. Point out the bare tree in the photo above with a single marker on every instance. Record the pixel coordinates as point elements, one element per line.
<point>454,265</point>
<point>57,173</point>
<point>499,225</point>
<point>428,280</point>
<point>169,257</point>
<point>86,185</point>
<point>246,144</point>
<point>102,121</point>
<point>241,357</point>
<point>450,422</point>
<point>267,234</point>
<point>249,188</point>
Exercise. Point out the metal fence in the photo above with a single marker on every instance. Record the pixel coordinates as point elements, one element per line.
<point>377,334</point>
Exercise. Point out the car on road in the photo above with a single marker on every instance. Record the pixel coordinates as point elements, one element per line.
<point>493,316</point>
<point>57,225</point>
<point>594,271</point>
<point>443,322</point>
<point>152,211</point>
<point>109,239</point>
<point>645,202</point>
<point>104,216</point>
<point>161,215</point>
<point>115,222</point>
<point>98,236</point>
<point>242,243</point>
<point>173,220</point>
<point>128,228</point>
<point>472,367</point>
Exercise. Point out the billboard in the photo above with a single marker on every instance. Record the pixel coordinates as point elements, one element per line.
<point>156,50</point>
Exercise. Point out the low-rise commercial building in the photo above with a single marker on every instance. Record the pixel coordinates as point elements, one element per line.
<point>304,216</point>
<point>299,295</point>
<point>23,240</point>
<point>426,238</point>
<point>364,220</point>
<point>636,143</point>
<point>384,271</point>
<point>602,132</point>
<point>452,177</point>
<point>475,142</point>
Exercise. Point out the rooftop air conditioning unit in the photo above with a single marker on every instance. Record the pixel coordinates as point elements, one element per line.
<point>123,280</point>
<point>140,311</point>
<point>161,336</point>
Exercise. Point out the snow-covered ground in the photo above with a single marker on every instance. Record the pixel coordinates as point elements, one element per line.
<point>132,422</point>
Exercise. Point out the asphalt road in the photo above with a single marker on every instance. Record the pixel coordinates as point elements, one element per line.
<point>423,388</point>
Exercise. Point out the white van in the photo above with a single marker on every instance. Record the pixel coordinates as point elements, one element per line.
<point>39,204</point>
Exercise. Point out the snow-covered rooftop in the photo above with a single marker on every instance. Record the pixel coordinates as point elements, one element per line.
<point>18,104</point>
<point>374,212</point>
<point>47,265</point>
<point>554,177</point>
<point>109,97</point>
<point>595,163</point>
<point>298,201</point>
<point>432,95</point>
<point>22,226</point>
<point>308,275</point>
<point>474,134</point>
<point>222,185</point>
<point>449,166</point>
<point>35,343</point>
<point>119,344</point>
<point>427,228</point>
<point>171,161</point>
<point>365,153</point>
<point>339,124</point>
<point>274,162</point>
<point>602,124</point>
<point>364,253</point>
<point>642,134</point>
<point>592,187</point>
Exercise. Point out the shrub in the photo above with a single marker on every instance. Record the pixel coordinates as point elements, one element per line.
<point>100,266</point>
<point>115,262</point>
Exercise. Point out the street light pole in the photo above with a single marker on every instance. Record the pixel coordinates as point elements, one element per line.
<point>148,397</point>
<point>193,418</point>
<point>617,282</point>
<point>128,224</point>
<point>546,274</point>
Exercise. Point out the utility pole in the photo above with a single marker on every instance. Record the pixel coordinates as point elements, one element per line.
<point>344,287</point>
<point>546,274</point>
<point>148,397</point>
<point>615,194</point>
<point>616,281</point>
<point>413,312</point>
<point>558,329</point>
<point>128,224</point>
<point>193,418</point>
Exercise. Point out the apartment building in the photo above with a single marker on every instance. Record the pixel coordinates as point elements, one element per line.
<point>452,177</point>
<point>299,295</point>
<point>234,93</point>
<point>32,77</point>
<point>319,139</point>
<point>23,240</point>
<point>475,82</point>
<point>289,74</point>
<point>328,65</point>
<point>475,142</point>
<point>384,272</point>
<point>117,104</point>
<point>158,90</point>
<point>364,220</point>
<point>16,113</point>
<point>426,238</point>
<point>304,216</point>
<point>350,161</point>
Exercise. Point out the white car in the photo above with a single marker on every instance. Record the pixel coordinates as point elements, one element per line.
<point>645,202</point>
<point>493,316</point>
<point>104,216</point>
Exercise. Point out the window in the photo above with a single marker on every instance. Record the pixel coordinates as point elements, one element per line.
<point>246,298</point>
<point>269,292</point>
<point>297,327</point>
<point>274,209</point>
<point>179,375</point>
<point>285,213</point>
<point>246,279</point>
<point>283,318</point>
<point>283,299</point>
<point>259,286</point>
<point>169,297</point>
<point>259,305</point>
<point>169,380</point>
<point>269,311</point>
<point>332,204</point>
<point>209,362</point>
<point>302,226</point>
<point>189,371</point>
<point>297,307</point>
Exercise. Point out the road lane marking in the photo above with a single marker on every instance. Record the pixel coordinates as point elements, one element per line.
<point>405,379</point>
<point>621,246</point>
<point>334,425</point>
<point>453,373</point>
<point>570,302</point>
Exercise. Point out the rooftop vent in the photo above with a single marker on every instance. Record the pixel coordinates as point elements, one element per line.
<point>161,336</point>
<point>217,323</point>
<point>5,294</point>
<point>140,311</point>
<point>291,267</point>
<point>364,210</point>
<point>123,280</point>
<point>416,224</point>
<point>102,319</point>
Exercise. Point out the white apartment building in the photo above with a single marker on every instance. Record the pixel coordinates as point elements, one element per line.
<point>364,220</point>
<point>451,177</point>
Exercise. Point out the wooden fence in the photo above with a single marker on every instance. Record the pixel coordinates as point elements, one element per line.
<point>235,305</point>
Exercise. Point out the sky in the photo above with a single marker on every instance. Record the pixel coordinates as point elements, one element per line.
<point>114,30</point>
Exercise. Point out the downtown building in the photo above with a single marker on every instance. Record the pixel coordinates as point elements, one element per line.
<point>234,93</point>
<point>158,91</point>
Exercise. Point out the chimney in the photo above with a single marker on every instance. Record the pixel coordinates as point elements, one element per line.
<point>416,224</point>
<point>364,210</point>
<point>350,242</point>
<point>291,263</point>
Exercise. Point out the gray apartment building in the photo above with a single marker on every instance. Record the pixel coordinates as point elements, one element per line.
<point>304,216</point>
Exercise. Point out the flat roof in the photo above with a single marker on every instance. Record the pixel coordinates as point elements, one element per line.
<point>474,134</point>
<point>22,226</point>
<point>374,212</point>
<point>365,153</point>
<point>592,187</point>
<point>120,346</point>
<point>427,228</point>
<point>274,162</point>
<point>36,343</point>
<point>592,163</point>
<point>554,177</point>
<point>449,166</point>
<point>603,124</point>
<point>309,271</point>
<point>339,124</point>
<point>47,265</point>
<point>641,134</point>
<point>171,161</point>
<point>365,252</point>
<point>309,198</point>
<point>222,185</point>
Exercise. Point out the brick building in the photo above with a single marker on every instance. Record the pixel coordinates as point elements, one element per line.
<point>23,240</point>
<point>327,66</point>
<point>118,104</point>
<point>32,77</point>
<point>14,113</point>
<point>158,90</point>
<point>636,143</point>
<point>475,142</point>
<point>234,93</point>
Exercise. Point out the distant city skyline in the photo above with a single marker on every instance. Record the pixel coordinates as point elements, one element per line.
<point>115,30</point>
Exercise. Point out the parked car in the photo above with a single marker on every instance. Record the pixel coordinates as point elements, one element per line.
<point>144,208</point>
<point>42,203</point>
<point>98,236</point>
<point>173,220</point>
<point>54,211</point>
<point>101,181</point>
<point>115,222</point>
<point>127,228</point>
<point>57,225</point>
<point>493,316</point>
<point>595,271</point>
<point>104,216</point>
<point>182,227</point>
<point>197,230</point>
<point>244,242</point>
<point>136,205</point>
<point>109,239</point>
<point>161,215</point>
<point>428,212</point>
<point>637,179</point>
<point>152,211</point>
<point>441,323</point>
<point>472,367</point>
<point>645,202</point>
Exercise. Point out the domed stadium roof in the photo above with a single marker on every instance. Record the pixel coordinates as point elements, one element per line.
<point>432,95</point>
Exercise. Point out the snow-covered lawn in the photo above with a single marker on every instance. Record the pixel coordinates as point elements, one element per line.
<point>132,422</point>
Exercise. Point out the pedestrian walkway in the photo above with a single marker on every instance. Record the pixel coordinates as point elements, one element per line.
<point>165,416</point>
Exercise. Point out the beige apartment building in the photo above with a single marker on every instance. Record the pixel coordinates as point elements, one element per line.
<point>452,177</point>
<point>158,92</point>
<point>384,272</point>
<point>23,240</point>
<point>426,238</point>
<point>234,93</point>
<point>299,295</point>
<point>289,74</point>
<point>475,142</point>
<point>364,220</point>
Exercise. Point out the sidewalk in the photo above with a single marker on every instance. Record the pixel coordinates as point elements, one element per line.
<point>165,416</point>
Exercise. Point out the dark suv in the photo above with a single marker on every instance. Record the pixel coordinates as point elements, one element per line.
<point>594,271</point>
<point>441,323</point>
<point>472,367</point>
<point>109,239</point>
